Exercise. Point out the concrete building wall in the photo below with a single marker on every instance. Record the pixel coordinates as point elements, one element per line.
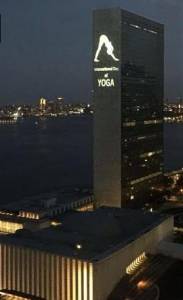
<point>107,110</point>
<point>54,277</point>
<point>45,275</point>
<point>108,272</point>
<point>128,107</point>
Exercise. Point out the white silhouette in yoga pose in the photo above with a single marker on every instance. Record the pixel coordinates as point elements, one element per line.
<point>103,40</point>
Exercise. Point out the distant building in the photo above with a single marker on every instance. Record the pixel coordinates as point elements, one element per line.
<point>128,76</point>
<point>79,259</point>
<point>42,104</point>
<point>51,248</point>
<point>38,212</point>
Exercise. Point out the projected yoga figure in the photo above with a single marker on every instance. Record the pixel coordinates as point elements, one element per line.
<point>103,40</point>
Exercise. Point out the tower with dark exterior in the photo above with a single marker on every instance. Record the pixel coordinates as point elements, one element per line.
<point>128,83</point>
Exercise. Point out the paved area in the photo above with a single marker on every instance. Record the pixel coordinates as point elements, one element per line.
<point>141,285</point>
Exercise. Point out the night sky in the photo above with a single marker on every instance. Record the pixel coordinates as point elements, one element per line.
<point>46,46</point>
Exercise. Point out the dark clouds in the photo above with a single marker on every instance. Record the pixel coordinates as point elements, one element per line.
<point>46,46</point>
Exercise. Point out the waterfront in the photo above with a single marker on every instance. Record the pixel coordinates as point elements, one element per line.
<point>55,153</point>
<point>173,139</point>
<point>46,156</point>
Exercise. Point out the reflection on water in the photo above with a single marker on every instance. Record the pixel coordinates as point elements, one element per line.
<point>173,146</point>
<point>45,156</point>
<point>54,153</point>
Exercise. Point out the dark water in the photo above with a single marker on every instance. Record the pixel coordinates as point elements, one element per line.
<point>57,153</point>
<point>173,146</point>
<point>45,157</point>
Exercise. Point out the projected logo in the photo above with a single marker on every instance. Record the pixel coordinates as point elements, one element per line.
<point>104,41</point>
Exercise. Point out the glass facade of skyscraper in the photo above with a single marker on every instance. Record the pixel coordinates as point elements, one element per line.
<point>128,124</point>
<point>142,105</point>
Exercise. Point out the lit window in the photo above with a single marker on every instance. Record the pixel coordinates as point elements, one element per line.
<point>78,246</point>
<point>136,264</point>
<point>149,122</point>
<point>129,124</point>
<point>150,30</point>
<point>145,178</point>
<point>9,227</point>
<point>135,26</point>
<point>54,223</point>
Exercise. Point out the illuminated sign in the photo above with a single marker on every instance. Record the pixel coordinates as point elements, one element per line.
<point>106,55</point>
<point>106,81</point>
<point>104,41</point>
<point>106,69</point>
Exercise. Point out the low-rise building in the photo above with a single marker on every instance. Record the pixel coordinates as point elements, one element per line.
<point>84,257</point>
<point>38,212</point>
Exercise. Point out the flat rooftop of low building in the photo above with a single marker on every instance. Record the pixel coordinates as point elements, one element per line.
<point>73,196</point>
<point>21,220</point>
<point>33,203</point>
<point>89,235</point>
<point>36,203</point>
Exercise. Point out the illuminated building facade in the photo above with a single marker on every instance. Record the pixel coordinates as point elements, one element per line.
<point>9,226</point>
<point>42,104</point>
<point>35,212</point>
<point>128,84</point>
<point>72,261</point>
<point>46,275</point>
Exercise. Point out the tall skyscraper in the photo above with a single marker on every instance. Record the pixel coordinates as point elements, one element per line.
<point>128,82</point>
<point>42,104</point>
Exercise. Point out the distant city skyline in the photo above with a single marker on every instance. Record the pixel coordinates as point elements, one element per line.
<point>46,47</point>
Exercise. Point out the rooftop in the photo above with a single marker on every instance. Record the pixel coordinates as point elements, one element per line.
<point>42,203</point>
<point>88,235</point>
<point>33,204</point>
